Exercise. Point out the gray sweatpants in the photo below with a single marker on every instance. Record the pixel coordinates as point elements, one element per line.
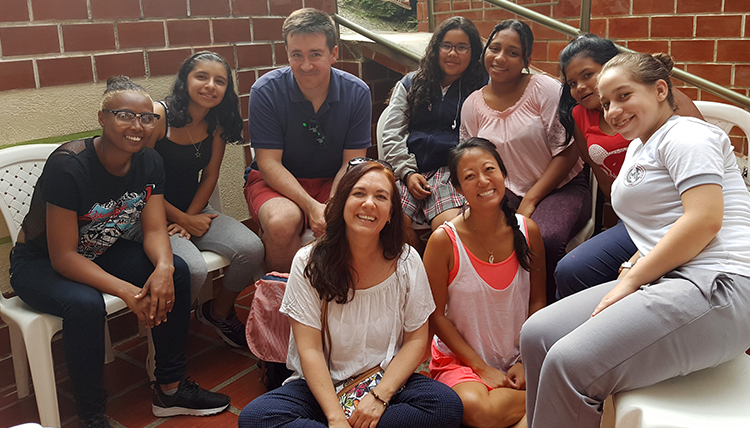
<point>688,320</point>
<point>231,239</point>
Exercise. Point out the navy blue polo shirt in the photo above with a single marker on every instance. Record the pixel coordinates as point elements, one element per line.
<point>280,118</point>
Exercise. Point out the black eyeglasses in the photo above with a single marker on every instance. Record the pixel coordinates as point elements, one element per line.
<point>360,160</point>
<point>314,126</point>
<point>461,49</point>
<point>126,118</point>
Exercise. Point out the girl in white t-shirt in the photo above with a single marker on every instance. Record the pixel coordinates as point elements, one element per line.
<point>378,304</point>
<point>486,270</point>
<point>685,304</point>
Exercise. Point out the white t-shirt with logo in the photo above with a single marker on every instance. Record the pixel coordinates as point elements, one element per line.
<point>684,153</point>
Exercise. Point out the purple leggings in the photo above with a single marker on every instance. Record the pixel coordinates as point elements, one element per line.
<point>560,215</point>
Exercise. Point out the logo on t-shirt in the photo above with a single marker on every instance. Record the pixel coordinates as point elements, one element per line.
<point>109,221</point>
<point>635,175</point>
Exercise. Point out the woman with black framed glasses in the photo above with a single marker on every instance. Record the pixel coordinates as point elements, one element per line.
<point>423,119</point>
<point>73,246</point>
<point>367,293</point>
<point>201,116</point>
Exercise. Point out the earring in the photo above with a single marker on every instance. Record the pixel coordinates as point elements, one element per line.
<point>389,221</point>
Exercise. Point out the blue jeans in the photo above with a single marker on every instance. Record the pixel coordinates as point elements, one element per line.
<point>594,262</point>
<point>423,403</point>
<point>83,312</point>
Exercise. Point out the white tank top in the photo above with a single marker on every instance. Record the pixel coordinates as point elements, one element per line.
<point>489,320</point>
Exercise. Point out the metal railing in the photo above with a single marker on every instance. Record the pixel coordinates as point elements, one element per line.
<point>556,25</point>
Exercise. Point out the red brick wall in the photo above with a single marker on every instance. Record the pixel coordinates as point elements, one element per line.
<point>61,42</point>
<point>709,38</point>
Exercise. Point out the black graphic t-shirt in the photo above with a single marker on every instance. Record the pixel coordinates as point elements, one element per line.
<point>107,206</point>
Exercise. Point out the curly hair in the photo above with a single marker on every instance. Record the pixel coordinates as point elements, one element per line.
<point>587,45</point>
<point>425,87</point>
<point>226,114</point>
<point>519,240</point>
<point>525,35</point>
<point>329,268</point>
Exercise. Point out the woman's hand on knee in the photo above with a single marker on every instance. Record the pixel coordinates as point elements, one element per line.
<point>160,287</point>
<point>517,377</point>
<point>368,413</point>
<point>175,228</point>
<point>418,186</point>
<point>494,378</point>
<point>621,290</point>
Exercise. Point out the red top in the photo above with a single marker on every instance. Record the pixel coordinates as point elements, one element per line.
<point>607,151</point>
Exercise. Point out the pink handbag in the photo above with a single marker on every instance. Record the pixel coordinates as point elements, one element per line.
<point>267,329</point>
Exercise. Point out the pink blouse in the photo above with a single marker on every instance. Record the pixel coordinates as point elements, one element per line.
<point>527,135</point>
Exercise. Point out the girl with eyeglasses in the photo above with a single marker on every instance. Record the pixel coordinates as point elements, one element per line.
<point>600,258</point>
<point>358,299</point>
<point>199,118</point>
<point>423,119</point>
<point>685,305</point>
<point>75,245</point>
<point>517,112</point>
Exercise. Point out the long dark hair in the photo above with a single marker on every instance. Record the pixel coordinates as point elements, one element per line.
<point>519,240</point>
<point>425,87</point>
<point>588,46</point>
<point>525,35</point>
<point>329,268</point>
<point>226,114</point>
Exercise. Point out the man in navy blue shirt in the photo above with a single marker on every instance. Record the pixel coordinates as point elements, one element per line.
<point>306,122</point>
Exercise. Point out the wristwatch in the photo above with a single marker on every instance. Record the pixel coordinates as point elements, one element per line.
<point>626,265</point>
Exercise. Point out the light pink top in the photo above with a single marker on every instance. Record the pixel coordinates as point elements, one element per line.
<point>527,135</point>
<point>488,319</point>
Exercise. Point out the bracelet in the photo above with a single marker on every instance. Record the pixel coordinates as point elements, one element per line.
<point>377,397</point>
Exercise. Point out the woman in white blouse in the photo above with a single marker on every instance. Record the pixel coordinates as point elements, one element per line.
<point>379,301</point>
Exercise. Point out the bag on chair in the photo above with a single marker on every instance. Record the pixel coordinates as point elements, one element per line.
<point>267,329</point>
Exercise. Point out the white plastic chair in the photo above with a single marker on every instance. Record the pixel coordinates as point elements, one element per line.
<point>717,397</point>
<point>588,229</point>
<point>725,116</point>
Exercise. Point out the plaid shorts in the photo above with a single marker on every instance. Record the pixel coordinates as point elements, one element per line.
<point>442,198</point>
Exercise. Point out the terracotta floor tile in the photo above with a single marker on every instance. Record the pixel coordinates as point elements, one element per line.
<point>21,411</point>
<point>245,389</point>
<point>130,343</point>
<point>245,301</point>
<point>197,344</point>
<point>226,419</point>
<point>217,365</point>
<point>199,328</point>
<point>118,376</point>
<point>133,409</point>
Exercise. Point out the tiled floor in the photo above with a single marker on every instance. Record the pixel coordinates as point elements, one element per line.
<point>211,363</point>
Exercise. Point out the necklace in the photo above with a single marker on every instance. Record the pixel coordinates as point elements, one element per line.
<point>198,147</point>
<point>492,252</point>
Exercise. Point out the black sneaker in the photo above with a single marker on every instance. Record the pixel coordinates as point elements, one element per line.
<point>95,422</point>
<point>190,399</point>
<point>231,330</point>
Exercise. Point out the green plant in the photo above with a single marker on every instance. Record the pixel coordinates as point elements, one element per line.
<point>382,9</point>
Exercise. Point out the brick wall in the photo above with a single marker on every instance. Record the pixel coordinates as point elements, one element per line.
<point>709,38</point>
<point>47,43</point>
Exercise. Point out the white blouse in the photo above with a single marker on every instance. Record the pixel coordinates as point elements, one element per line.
<point>368,330</point>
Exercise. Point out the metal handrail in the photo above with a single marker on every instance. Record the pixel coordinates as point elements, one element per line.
<point>376,38</point>
<point>558,26</point>
<point>686,77</point>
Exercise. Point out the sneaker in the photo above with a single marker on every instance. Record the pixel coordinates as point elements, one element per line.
<point>95,422</point>
<point>190,399</point>
<point>231,330</point>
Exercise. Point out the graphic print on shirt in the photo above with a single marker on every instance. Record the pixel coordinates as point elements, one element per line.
<point>635,175</point>
<point>109,221</point>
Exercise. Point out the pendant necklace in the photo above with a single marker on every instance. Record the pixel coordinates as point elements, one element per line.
<point>492,253</point>
<point>198,147</point>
